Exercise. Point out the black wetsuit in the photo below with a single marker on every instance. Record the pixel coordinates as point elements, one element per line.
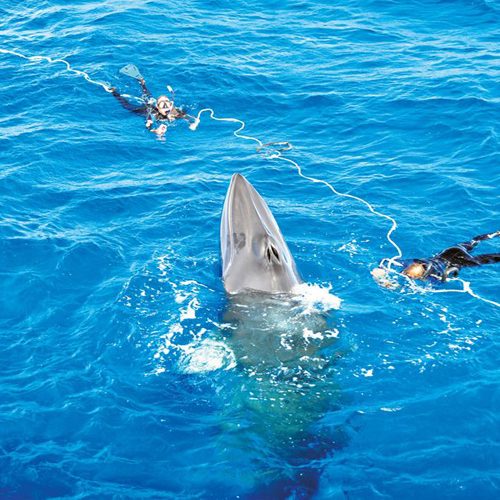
<point>143,109</point>
<point>150,111</point>
<point>449,262</point>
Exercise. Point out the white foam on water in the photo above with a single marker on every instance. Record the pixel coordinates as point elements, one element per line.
<point>310,334</point>
<point>189,312</point>
<point>207,356</point>
<point>316,298</point>
<point>193,350</point>
<point>351,248</point>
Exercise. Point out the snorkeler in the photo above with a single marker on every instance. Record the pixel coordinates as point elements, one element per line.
<point>156,111</point>
<point>445,264</point>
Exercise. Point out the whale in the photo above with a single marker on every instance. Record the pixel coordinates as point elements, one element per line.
<point>267,326</point>
<point>270,327</point>
<point>255,256</point>
<point>284,350</point>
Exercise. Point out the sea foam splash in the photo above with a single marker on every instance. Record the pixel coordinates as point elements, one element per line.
<point>316,298</point>
<point>207,356</point>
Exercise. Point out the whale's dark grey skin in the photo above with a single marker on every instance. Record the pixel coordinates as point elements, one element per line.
<point>254,253</point>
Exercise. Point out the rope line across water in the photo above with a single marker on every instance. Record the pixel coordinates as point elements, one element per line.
<point>387,262</point>
<point>276,153</point>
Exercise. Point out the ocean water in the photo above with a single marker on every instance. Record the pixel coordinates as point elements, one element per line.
<point>126,372</point>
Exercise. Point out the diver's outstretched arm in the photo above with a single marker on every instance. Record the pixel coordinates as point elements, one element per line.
<point>469,245</point>
<point>185,116</point>
<point>181,114</point>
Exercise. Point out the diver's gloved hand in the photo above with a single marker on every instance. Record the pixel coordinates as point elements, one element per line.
<point>193,126</point>
<point>381,276</point>
<point>160,131</point>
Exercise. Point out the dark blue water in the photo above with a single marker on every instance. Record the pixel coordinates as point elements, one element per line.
<point>122,373</point>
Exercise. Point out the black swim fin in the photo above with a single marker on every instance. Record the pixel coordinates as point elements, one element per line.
<point>132,71</point>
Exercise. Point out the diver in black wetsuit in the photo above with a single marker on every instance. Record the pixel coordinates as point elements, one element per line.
<point>155,110</point>
<point>448,263</point>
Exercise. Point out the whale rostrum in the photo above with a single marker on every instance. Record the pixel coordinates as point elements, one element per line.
<point>255,256</point>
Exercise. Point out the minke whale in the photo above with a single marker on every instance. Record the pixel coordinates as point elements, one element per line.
<point>283,348</point>
<point>255,256</point>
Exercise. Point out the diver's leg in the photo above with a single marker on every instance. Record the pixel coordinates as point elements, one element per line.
<point>139,110</point>
<point>126,104</point>
<point>488,258</point>
<point>145,90</point>
<point>469,245</point>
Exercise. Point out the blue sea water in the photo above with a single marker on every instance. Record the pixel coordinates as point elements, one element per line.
<point>118,378</point>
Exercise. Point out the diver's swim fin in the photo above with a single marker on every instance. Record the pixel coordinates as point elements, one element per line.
<point>132,71</point>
